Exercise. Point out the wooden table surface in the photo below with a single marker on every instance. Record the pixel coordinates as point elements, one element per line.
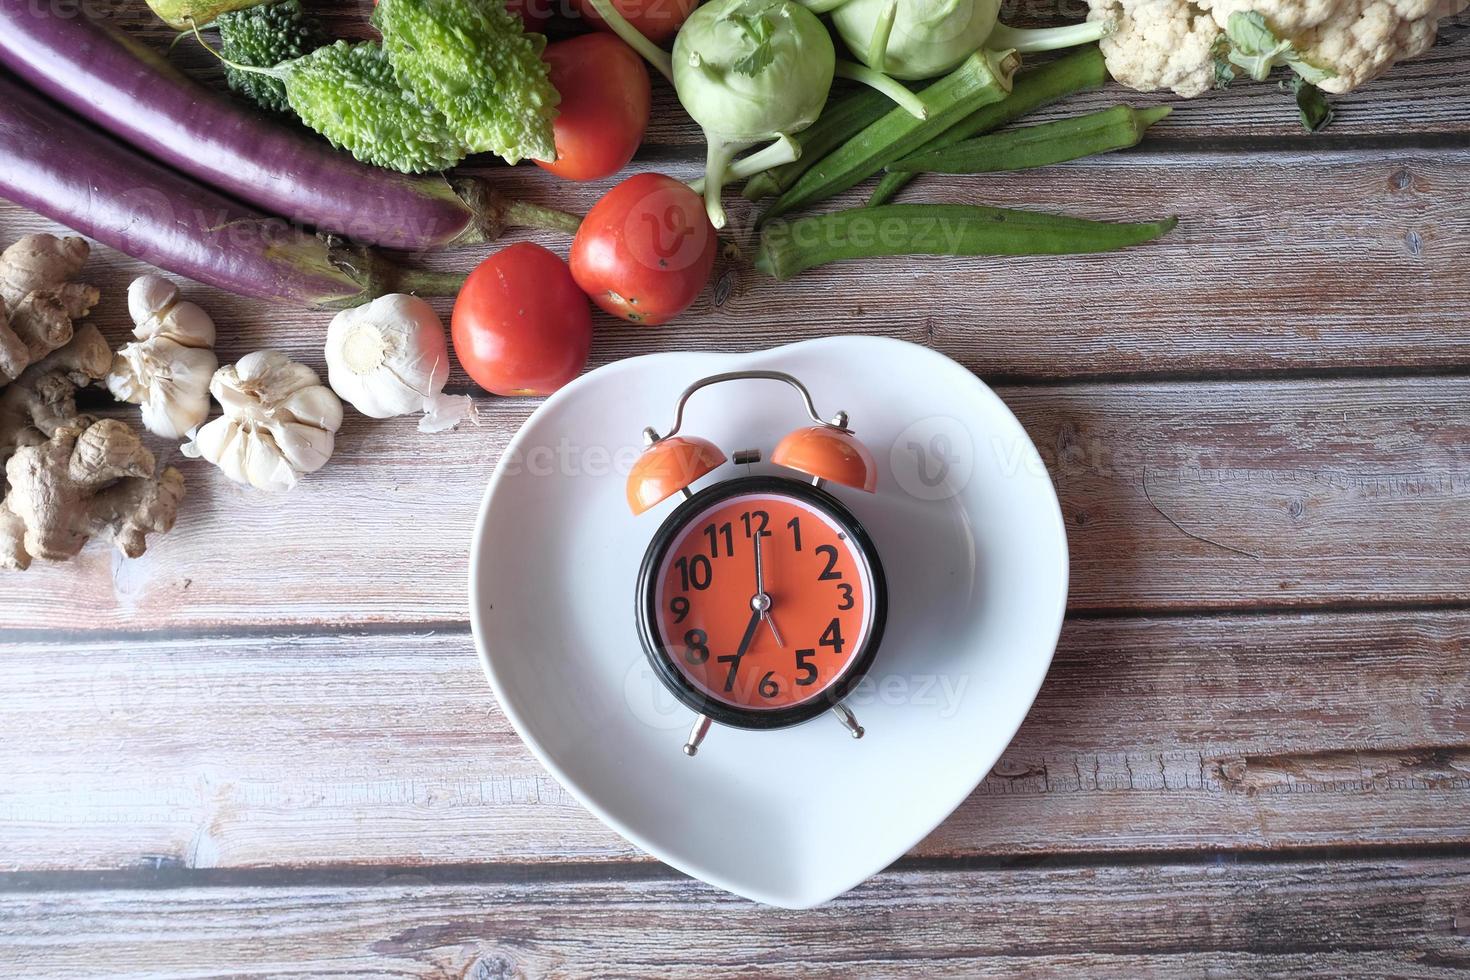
<point>266,747</point>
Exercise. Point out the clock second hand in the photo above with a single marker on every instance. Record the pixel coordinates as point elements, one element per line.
<point>761,602</point>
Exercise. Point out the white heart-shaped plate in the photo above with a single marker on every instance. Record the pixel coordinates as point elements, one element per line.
<point>971,536</point>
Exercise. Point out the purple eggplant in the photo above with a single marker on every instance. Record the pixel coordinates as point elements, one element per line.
<point>131,92</point>
<point>58,166</point>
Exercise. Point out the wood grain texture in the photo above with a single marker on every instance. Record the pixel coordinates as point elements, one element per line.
<point>1241,733</point>
<point>1370,919</point>
<point>1315,492</point>
<point>1282,263</point>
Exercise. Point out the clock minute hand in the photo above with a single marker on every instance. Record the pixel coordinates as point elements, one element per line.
<point>761,602</point>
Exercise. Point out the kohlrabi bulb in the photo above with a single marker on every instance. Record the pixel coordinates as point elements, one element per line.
<point>915,39</point>
<point>749,71</point>
<point>929,37</point>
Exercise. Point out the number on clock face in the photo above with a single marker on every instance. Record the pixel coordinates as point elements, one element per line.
<point>818,583</point>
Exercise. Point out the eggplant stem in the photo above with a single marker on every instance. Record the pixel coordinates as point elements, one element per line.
<point>524,214</point>
<point>420,282</point>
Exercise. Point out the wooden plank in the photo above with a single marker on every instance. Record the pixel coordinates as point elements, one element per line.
<point>1180,734</point>
<point>1315,492</point>
<point>1282,262</point>
<point>1371,919</point>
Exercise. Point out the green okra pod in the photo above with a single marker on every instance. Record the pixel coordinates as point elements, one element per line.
<point>838,122</point>
<point>981,79</point>
<point>789,247</point>
<point>1117,128</point>
<point>1079,71</point>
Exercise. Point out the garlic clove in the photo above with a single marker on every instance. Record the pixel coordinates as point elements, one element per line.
<point>306,447</point>
<point>317,406</point>
<point>188,325</point>
<point>148,297</point>
<point>265,466</point>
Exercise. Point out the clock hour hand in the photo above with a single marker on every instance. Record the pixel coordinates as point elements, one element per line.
<point>761,602</point>
<point>734,659</point>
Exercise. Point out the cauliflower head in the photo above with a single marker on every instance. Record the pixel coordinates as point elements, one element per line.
<point>1171,43</point>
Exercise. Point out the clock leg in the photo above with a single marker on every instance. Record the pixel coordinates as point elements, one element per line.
<point>849,720</point>
<point>696,735</point>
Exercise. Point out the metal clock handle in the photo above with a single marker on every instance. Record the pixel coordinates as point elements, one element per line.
<point>838,421</point>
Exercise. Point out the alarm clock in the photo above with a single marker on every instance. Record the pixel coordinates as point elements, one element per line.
<point>761,599</point>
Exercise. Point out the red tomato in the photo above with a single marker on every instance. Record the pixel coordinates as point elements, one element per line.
<point>657,20</point>
<point>604,105</point>
<point>645,251</point>
<point>520,325</point>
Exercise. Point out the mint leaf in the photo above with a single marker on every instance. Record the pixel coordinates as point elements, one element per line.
<point>759,31</point>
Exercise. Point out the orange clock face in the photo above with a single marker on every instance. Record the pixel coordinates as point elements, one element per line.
<point>763,600</point>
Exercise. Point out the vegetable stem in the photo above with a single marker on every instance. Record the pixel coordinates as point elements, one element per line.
<point>1078,71</point>
<point>275,73</point>
<point>1032,40</point>
<point>982,78</point>
<point>838,121</point>
<point>784,150</point>
<point>882,31</point>
<point>789,247</point>
<point>524,214</point>
<point>890,87</point>
<point>420,282</point>
<point>716,162</point>
<point>1050,143</point>
<point>634,38</point>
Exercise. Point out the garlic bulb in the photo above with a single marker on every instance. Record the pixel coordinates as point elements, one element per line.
<point>279,422</point>
<point>389,358</point>
<point>167,370</point>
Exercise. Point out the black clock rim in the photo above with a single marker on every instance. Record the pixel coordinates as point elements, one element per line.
<point>673,679</point>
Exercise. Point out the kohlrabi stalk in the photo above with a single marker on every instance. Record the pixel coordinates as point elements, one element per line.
<point>919,39</point>
<point>890,87</point>
<point>634,38</point>
<point>1029,40</point>
<point>749,71</point>
<point>785,150</point>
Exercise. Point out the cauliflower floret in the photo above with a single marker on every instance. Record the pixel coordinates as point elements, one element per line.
<point>1356,40</point>
<point>1159,44</point>
<point>1170,43</point>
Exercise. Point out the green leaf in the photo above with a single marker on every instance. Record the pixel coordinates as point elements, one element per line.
<point>1315,111</point>
<point>1257,50</point>
<point>759,31</point>
<point>473,61</point>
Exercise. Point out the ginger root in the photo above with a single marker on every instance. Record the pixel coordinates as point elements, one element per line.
<point>40,300</point>
<point>91,477</point>
<point>69,477</point>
